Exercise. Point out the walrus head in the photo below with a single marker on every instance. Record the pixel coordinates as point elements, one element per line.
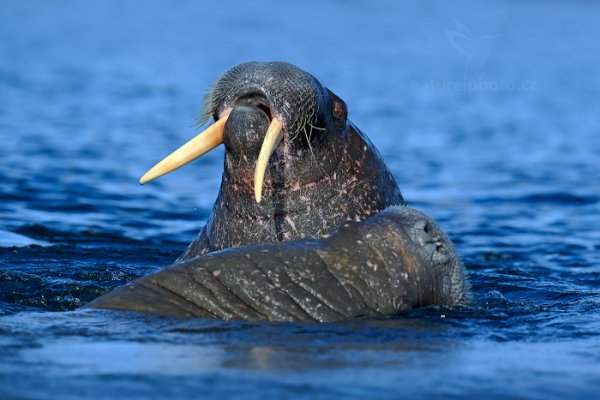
<point>295,166</point>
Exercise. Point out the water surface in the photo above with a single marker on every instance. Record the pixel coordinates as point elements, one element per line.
<point>486,114</point>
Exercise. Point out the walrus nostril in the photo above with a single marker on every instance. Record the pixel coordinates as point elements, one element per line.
<point>421,226</point>
<point>426,228</point>
<point>423,232</point>
<point>266,109</point>
<point>257,100</point>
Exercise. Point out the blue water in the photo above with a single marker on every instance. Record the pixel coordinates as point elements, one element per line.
<point>487,114</point>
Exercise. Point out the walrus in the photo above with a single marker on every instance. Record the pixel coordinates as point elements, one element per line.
<point>295,165</point>
<point>296,171</point>
<point>394,261</point>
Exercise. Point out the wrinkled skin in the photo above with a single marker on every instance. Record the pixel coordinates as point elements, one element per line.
<point>324,172</point>
<point>394,261</point>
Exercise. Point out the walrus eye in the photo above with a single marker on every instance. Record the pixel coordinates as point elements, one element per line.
<point>339,111</point>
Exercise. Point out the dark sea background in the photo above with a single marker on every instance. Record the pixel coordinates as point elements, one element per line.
<point>487,113</point>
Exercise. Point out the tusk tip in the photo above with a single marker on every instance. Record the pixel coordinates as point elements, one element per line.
<point>257,193</point>
<point>144,179</point>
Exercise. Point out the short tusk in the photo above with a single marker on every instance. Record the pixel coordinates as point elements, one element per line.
<point>207,140</point>
<point>272,139</point>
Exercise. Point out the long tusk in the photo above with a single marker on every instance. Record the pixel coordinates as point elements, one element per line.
<point>272,139</point>
<point>204,142</point>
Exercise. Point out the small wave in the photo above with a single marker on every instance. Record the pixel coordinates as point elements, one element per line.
<point>560,198</point>
<point>11,239</point>
<point>542,198</point>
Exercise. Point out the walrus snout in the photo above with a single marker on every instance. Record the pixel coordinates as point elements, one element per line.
<point>293,100</point>
<point>425,234</point>
<point>244,133</point>
<point>432,251</point>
